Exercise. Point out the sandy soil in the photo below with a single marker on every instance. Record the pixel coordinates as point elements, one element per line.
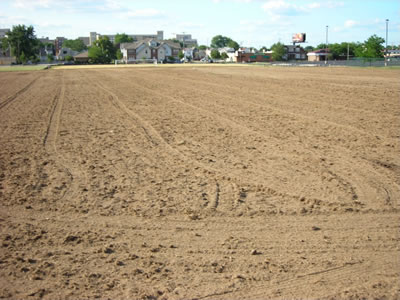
<point>200,183</point>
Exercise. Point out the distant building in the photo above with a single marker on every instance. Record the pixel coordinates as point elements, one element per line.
<point>82,58</point>
<point>393,53</point>
<point>4,53</point>
<point>58,43</point>
<point>3,32</point>
<point>317,55</point>
<point>186,40</point>
<point>231,52</point>
<point>250,57</point>
<point>85,40</point>
<point>294,52</point>
<point>94,36</point>
<point>64,52</point>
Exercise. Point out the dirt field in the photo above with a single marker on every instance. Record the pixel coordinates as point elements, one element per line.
<point>200,183</point>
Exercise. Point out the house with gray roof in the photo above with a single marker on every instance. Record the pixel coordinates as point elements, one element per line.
<point>149,49</point>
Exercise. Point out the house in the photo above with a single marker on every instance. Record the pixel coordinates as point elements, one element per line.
<point>58,44</point>
<point>393,53</point>
<point>294,52</point>
<point>230,52</point>
<point>64,52</point>
<point>189,53</point>
<point>82,58</point>
<point>149,49</point>
<point>318,55</point>
<point>199,54</point>
<point>249,57</point>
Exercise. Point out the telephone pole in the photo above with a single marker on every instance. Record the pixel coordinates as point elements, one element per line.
<point>326,50</point>
<point>386,49</point>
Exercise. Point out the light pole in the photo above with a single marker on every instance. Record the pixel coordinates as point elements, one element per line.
<point>326,50</point>
<point>386,49</point>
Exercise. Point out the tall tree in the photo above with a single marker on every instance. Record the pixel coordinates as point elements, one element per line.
<point>371,48</point>
<point>233,44</point>
<point>220,41</point>
<point>309,48</point>
<point>122,38</point>
<point>215,54</point>
<point>102,51</point>
<point>23,43</point>
<point>76,45</point>
<point>278,51</point>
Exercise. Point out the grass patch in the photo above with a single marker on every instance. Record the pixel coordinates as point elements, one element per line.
<point>23,68</point>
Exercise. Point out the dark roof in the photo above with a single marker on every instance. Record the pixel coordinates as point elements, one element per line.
<point>137,44</point>
<point>172,44</point>
<point>320,51</point>
<point>82,55</point>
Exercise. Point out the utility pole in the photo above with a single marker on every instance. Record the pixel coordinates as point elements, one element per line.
<point>326,50</point>
<point>348,50</point>
<point>386,49</point>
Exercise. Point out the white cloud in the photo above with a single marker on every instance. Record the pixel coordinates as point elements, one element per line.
<point>350,23</point>
<point>32,3</point>
<point>314,5</point>
<point>143,13</point>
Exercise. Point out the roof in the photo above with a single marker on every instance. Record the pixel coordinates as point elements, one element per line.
<point>320,51</point>
<point>82,55</point>
<point>137,44</point>
<point>172,44</point>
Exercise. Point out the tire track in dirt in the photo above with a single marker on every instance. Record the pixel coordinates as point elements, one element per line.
<point>357,184</point>
<point>20,92</point>
<point>212,88</point>
<point>50,144</point>
<point>156,139</point>
<point>346,184</point>
<point>341,274</point>
<point>253,92</point>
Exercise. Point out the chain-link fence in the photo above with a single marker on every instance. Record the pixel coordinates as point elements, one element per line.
<point>366,62</point>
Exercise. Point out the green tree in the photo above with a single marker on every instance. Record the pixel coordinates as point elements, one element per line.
<point>22,58</point>
<point>102,51</point>
<point>263,48</point>
<point>50,58</point>
<point>233,44</point>
<point>220,41</point>
<point>22,40</point>
<point>278,51</point>
<point>224,56</point>
<point>69,58</point>
<point>180,54</point>
<point>371,48</point>
<point>202,47</point>
<point>76,45</point>
<point>122,38</point>
<point>119,54</point>
<point>309,48</point>
<point>215,54</point>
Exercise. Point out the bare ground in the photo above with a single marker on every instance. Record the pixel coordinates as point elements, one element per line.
<point>200,183</point>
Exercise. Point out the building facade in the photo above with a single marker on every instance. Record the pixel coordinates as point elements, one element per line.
<point>94,36</point>
<point>149,49</point>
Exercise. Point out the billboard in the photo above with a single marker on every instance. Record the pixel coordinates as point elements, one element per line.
<point>299,38</point>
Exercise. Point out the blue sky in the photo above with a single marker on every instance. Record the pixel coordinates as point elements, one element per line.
<point>250,22</point>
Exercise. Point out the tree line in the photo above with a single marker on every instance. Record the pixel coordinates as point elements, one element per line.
<point>24,45</point>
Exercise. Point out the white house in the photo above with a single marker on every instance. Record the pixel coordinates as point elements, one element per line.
<point>230,52</point>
